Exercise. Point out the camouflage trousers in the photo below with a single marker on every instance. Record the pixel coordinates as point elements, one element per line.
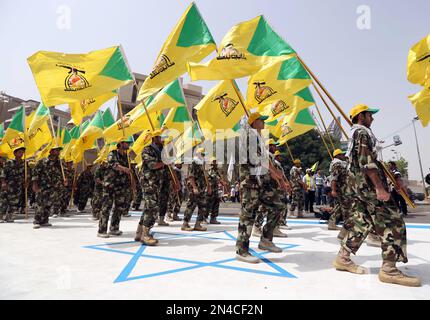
<point>262,213</point>
<point>196,200</point>
<point>213,202</point>
<point>65,196</point>
<point>119,197</point>
<point>97,202</point>
<point>46,200</point>
<point>151,201</point>
<point>174,204</point>
<point>138,198</point>
<point>163,199</point>
<point>367,212</point>
<point>252,197</point>
<point>297,200</point>
<point>82,199</point>
<point>341,209</point>
<point>9,202</point>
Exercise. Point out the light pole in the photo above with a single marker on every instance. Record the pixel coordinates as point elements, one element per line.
<point>419,156</point>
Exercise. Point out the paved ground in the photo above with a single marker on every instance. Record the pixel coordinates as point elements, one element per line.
<point>68,261</point>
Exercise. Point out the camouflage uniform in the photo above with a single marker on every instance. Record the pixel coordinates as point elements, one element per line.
<point>139,194</point>
<point>340,174</point>
<point>368,212</point>
<point>116,190</point>
<point>150,179</point>
<point>13,174</point>
<point>48,175</point>
<point>67,191</point>
<point>164,196</point>
<point>297,198</point>
<point>97,198</point>
<point>196,170</point>
<point>256,190</point>
<point>84,188</point>
<point>174,205</point>
<point>213,200</point>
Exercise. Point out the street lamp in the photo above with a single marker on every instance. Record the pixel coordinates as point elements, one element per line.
<point>419,155</point>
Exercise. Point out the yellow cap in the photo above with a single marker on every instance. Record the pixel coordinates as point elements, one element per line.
<point>178,161</point>
<point>200,150</point>
<point>338,152</point>
<point>277,153</point>
<point>213,159</point>
<point>271,142</point>
<point>18,148</point>
<point>255,116</point>
<point>167,140</point>
<point>359,108</point>
<point>297,162</point>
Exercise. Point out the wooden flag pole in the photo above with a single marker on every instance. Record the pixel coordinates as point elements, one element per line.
<point>325,91</point>
<point>56,144</point>
<point>331,111</point>
<point>289,151</point>
<point>25,185</point>
<point>325,127</point>
<point>133,183</point>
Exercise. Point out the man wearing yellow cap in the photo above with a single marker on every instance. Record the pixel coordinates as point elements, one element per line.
<point>339,178</point>
<point>298,187</point>
<point>151,175</point>
<point>372,206</point>
<point>256,189</point>
<point>116,190</point>
<point>12,183</point>
<point>199,188</point>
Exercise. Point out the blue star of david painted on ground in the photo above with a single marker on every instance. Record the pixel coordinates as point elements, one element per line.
<point>139,254</point>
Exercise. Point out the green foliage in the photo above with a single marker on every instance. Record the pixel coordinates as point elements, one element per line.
<point>309,148</point>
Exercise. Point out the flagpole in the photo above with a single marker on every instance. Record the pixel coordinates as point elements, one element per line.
<point>325,91</point>
<point>325,127</point>
<point>289,151</point>
<point>133,183</point>
<point>25,184</point>
<point>56,144</point>
<point>325,143</point>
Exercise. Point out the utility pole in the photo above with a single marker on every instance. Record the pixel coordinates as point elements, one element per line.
<point>419,156</point>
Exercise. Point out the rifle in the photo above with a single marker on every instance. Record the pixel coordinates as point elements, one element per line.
<point>393,180</point>
<point>176,184</point>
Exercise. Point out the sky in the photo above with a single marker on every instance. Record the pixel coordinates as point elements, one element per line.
<point>358,49</point>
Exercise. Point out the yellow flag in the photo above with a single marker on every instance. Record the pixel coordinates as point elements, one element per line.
<point>70,78</point>
<point>288,104</point>
<point>294,125</point>
<point>220,108</point>
<point>421,102</point>
<point>246,48</point>
<point>276,82</point>
<point>143,141</point>
<point>133,122</point>
<point>87,107</point>
<point>40,136</point>
<point>190,40</point>
<point>419,62</point>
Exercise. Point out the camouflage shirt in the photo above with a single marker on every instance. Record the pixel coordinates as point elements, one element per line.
<point>47,173</point>
<point>150,176</point>
<point>114,177</point>
<point>13,174</point>
<point>99,176</point>
<point>196,171</point>
<point>363,156</point>
<point>296,178</point>
<point>213,177</point>
<point>339,174</point>
<point>85,182</point>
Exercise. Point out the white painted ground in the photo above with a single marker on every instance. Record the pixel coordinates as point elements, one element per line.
<point>68,261</point>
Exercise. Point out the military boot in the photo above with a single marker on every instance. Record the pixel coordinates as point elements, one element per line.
<point>169,217</point>
<point>333,226</point>
<point>278,233</point>
<point>147,238</point>
<point>342,234</point>
<point>266,244</point>
<point>390,274</point>
<point>176,217</point>
<point>186,227</point>
<point>373,240</point>
<point>161,222</point>
<point>343,262</point>
<point>247,257</point>
<point>256,231</point>
<point>138,233</point>
<point>214,221</point>
<point>115,232</point>
<point>198,226</point>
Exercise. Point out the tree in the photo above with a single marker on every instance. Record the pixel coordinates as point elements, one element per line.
<point>310,149</point>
